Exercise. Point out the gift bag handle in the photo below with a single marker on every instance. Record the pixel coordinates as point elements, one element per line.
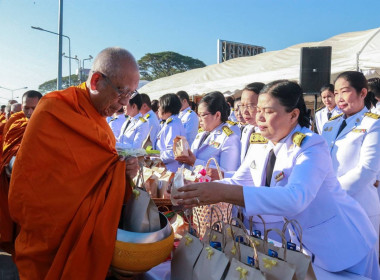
<point>251,223</point>
<point>223,227</point>
<point>297,227</point>
<point>213,208</point>
<point>252,245</point>
<point>282,238</point>
<point>191,224</point>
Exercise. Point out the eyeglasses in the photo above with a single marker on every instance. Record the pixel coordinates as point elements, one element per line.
<point>125,92</point>
<point>249,106</point>
<point>204,115</point>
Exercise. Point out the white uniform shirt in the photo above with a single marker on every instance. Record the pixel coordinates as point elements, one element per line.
<point>247,131</point>
<point>116,123</point>
<point>355,156</point>
<point>154,125</point>
<point>219,145</point>
<point>304,187</point>
<point>321,117</point>
<point>376,109</point>
<point>135,134</point>
<point>171,128</point>
<point>190,121</point>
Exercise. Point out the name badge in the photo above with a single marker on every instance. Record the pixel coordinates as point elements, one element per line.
<point>328,128</point>
<point>359,130</point>
<point>279,176</point>
<point>214,144</point>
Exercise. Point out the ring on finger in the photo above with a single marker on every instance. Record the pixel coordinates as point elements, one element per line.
<point>197,199</point>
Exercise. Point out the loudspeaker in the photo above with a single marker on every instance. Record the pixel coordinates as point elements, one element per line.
<point>315,68</point>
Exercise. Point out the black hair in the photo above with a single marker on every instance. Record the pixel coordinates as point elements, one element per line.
<point>290,95</point>
<point>370,100</point>
<point>374,86</point>
<point>170,103</point>
<point>230,100</point>
<point>145,99</point>
<point>355,78</point>
<point>32,94</point>
<point>216,102</point>
<point>154,105</point>
<point>329,87</point>
<point>358,82</point>
<point>136,100</point>
<point>255,87</point>
<point>193,106</point>
<point>183,95</point>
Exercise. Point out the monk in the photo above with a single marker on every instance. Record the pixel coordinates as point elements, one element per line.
<point>68,183</point>
<point>17,107</point>
<point>4,117</point>
<point>13,133</point>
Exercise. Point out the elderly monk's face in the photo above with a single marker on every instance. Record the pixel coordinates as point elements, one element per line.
<point>107,98</point>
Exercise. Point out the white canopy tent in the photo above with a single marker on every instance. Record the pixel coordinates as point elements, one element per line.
<point>350,51</point>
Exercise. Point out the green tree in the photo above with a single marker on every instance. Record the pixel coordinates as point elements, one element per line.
<point>52,84</point>
<point>163,64</point>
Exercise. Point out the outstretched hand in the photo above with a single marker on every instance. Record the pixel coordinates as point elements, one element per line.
<point>198,194</point>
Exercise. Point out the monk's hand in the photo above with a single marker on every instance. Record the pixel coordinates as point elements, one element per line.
<point>213,173</point>
<point>198,194</point>
<point>131,166</point>
<point>376,184</point>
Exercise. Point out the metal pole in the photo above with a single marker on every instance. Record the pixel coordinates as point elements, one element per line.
<point>68,38</point>
<point>60,19</point>
<point>69,62</point>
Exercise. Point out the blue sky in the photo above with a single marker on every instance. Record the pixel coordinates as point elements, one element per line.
<point>29,57</point>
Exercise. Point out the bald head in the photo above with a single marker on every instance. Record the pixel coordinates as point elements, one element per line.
<point>10,102</point>
<point>15,108</point>
<point>113,61</point>
<point>114,77</point>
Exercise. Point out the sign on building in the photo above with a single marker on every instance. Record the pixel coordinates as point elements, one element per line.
<point>229,50</point>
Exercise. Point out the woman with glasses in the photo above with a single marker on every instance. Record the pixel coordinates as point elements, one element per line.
<point>354,138</point>
<point>291,175</point>
<point>215,139</point>
<point>168,110</point>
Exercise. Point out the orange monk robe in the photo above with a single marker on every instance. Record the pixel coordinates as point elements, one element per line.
<point>3,121</point>
<point>14,117</point>
<point>13,133</point>
<point>67,189</point>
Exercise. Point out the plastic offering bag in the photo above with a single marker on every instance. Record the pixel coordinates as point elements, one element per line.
<point>177,183</point>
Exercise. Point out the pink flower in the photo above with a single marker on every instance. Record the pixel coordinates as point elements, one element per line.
<point>203,172</point>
